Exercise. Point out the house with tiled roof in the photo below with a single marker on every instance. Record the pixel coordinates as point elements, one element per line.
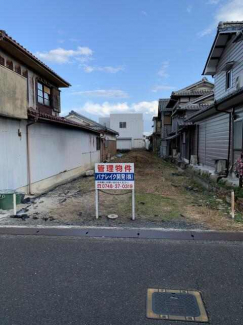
<point>38,148</point>
<point>220,125</point>
<point>175,129</point>
<point>108,136</point>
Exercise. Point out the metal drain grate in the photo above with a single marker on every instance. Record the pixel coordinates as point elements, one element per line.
<point>175,305</point>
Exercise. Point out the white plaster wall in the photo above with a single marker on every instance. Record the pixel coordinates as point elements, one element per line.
<point>56,149</point>
<point>13,159</point>
<point>134,126</point>
<point>57,154</point>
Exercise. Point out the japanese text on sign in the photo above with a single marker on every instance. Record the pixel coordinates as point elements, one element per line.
<point>114,176</point>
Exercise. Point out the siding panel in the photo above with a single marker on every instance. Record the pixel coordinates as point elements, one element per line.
<point>213,139</point>
<point>233,52</point>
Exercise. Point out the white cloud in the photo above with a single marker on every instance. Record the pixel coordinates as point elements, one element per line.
<point>189,9</point>
<point>157,88</point>
<point>232,10</point>
<point>108,69</point>
<point>163,70</point>
<point>144,13</point>
<point>147,108</point>
<point>61,55</point>
<point>108,93</point>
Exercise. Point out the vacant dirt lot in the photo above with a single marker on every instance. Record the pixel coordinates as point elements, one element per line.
<point>165,197</point>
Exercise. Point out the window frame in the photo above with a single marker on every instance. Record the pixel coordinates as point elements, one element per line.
<point>240,121</point>
<point>44,102</point>
<point>18,69</point>
<point>122,125</point>
<point>9,64</point>
<point>229,79</point>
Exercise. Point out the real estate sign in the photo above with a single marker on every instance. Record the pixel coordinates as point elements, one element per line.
<point>117,176</point>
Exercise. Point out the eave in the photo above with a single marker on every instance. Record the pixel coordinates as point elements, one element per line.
<point>217,49</point>
<point>21,54</point>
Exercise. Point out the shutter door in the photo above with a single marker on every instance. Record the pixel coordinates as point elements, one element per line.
<point>124,144</point>
<point>217,138</point>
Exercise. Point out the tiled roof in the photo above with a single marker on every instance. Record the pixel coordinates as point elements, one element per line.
<point>221,100</point>
<point>191,92</point>
<point>230,25</point>
<point>163,103</point>
<point>93,124</point>
<point>201,98</point>
<point>182,122</point>
<point>5,36</point>
<point>192,107</point>
<point>59,120</point>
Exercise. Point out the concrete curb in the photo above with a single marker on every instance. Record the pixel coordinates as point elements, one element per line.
<point>106,232</point>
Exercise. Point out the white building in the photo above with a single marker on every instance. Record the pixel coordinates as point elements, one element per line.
<point>130,129</point>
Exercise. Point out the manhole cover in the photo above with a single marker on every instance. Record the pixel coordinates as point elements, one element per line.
<point>176,305</point>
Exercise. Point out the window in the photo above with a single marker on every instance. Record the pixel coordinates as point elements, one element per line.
<point>97,143</point>
<point>44,94</point>
<point>123,125</point>
<point>167,120</point>
<point>9,64</point>
<point>238,135</point>
<point>18,69</point>
<point>25,73</point>
<point>2,61</point>
<point>228,79</point>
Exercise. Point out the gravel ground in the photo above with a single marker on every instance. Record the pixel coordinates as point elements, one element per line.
<point>165,198</point>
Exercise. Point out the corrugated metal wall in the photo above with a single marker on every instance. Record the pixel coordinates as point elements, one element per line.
<point>213,139</point>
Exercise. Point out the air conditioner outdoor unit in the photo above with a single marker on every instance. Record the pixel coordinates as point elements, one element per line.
<point>239,81</point>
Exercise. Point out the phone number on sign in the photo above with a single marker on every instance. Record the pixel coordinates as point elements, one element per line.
<point>115,186</point>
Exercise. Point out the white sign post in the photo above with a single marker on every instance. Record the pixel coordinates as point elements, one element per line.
<point>118,176</point>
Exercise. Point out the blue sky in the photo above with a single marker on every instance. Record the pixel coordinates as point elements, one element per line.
<point>119,55</point>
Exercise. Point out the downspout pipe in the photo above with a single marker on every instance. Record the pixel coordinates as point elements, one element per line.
<point>230,131</point>
<point>29,155</point>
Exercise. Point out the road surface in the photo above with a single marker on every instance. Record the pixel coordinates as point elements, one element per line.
<point>90,281</point>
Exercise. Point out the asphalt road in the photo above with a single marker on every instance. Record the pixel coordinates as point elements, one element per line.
<point>64,280</point>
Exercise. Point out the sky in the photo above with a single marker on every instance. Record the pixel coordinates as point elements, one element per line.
<point>119,55</point>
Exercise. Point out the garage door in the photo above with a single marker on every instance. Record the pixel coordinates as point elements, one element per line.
<point>124,144</point>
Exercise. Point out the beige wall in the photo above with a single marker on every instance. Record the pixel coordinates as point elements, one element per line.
<point>13,94</point>
<point>30,91</point>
